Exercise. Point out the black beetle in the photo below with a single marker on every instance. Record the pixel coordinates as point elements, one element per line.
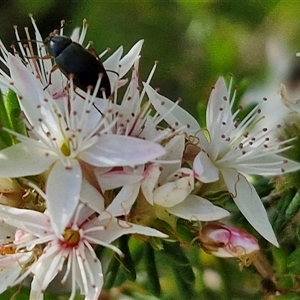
<point>72,58</point>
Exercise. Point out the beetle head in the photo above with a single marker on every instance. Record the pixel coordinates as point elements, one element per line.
<point>56,44</point>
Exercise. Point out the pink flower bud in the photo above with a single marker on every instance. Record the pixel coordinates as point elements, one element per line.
<point>227,241</point>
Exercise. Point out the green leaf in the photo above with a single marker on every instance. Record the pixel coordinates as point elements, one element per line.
<point>121,278</point>
<point>14,293</point>
<point>184,284</point>
<point>286,281</point>
<point>174,252</point>
<point>184,232</point>
<point>293,262</point>
<point>182,269</point>
<point>127,260</point>
<point>14,112</point>
<point>151,269</point>
<point>112,273</point>
<point>10,112</point>
<point>280,259</point>
<point>164,215</point>
<point>3,113</point>
<point>5,138</point>
<point>289,296</point>
<point>279,220</point>
<point>293,207</point>
<point>262,185</point>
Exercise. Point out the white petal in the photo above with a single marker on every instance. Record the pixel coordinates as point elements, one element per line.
<point>90,196</point>
<point>173,193</point>
<point>138,229</point>
<point>7,232</point>
<point>195,208</point>
<point>174,151</point>
<point>117,228</point>
<point>178,114</point>
<point>91,119</point>
<point>11,267</point>
<point>10,274</point>
<point>62,190</point>
<point>117,150</point>
<point>128,60</point>
<point>27,86</point>
<point>149,182</point>
<point>204,168</point>
<point>22,160</point>
<point>249,203</point>
<point>215,102</point>
<point>45,269</point>
<point>33,103</point>
<point>29,220</point>
<point>75,34</point>
<point>268,165</point>
<point>89,275</point>
<point>116,179</point>
<point>111,65</point>
<point>123,202</point>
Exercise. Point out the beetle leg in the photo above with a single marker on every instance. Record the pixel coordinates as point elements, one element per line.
<point>48,56</point>
<point>82,97</point>
<point>55,67</point>
<point>94,52</point>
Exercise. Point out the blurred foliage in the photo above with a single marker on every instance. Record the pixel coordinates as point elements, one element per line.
<point>195,42</point>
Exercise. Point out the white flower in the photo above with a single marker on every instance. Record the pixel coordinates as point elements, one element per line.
<point>73,249</point>
<point>42,67</point>
<point>170,186</point>
<point>14,260</point>
<point>137,118</point>
<point>61,139</point>
<point>232,151</point>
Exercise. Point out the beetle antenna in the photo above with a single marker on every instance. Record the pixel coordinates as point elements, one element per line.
<point>63,24</point>
<point>98,109</point>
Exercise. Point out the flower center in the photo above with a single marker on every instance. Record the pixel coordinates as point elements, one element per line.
<point>65,149</point>
<point>71,237</point>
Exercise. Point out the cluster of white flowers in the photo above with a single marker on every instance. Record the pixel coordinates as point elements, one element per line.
<point>92,170</point>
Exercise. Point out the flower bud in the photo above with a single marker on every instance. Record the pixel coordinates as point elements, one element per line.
<point>227,241</point>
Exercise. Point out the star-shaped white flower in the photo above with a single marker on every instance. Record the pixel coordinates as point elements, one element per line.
<point>232,151</point>
<point>74,248</point>
<point>229,149</point>
<point>63,138</point>
<point>13,260</point>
